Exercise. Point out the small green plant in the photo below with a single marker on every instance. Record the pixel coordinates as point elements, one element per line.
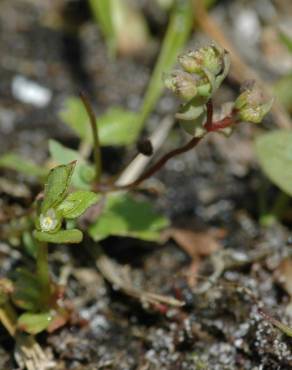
<point>75,185</point>
<point>55,214</point>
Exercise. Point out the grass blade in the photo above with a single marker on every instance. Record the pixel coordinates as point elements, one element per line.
<point>178,31</point>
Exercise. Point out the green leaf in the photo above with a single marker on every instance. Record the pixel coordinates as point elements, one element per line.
<point>34,323</point>
<point>73,236</point>
<point>75,116</point>
<point>116,127</point>
<point>102,12</point>
<point>125,216</point>
<point>122,24</point>
<point>29,243</point>
<point>61,154</point>
<point>17,163</point>
<point>27,292</point>
<point>83,173</point>
<point>57,186</point>
<point>75,204</point>
<point>178,31</point>
<point>166,4</point>
<point>274,152</point>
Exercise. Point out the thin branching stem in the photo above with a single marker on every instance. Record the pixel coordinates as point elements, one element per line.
<point>153,169</point>
<point>96,143</point>
<point>210,126</point>
<point>209,122</point>
<point>158,165</point>
<point>219,125</point>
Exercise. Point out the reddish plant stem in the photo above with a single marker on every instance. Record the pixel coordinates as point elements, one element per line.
<point>156,167</point>
<point>225,122</point>
<point>209,123</point>
<point>95,137</point>
<point>210,127</point>
<point>153,169</point>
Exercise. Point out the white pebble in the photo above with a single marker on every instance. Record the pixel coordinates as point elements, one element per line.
<point>30,92</point>
<point>248,26</point>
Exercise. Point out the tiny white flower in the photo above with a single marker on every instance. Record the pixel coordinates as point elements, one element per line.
<point>48,221</point>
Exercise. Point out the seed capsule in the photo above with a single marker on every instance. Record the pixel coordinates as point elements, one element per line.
<point>252,105</point>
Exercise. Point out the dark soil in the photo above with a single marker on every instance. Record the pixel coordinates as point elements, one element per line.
<point>217,187</point>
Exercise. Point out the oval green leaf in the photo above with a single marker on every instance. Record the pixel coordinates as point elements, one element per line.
<point>17,163</point>
<point>73,236</point>
<point>27,290</point>
<point>274,152</point>
<point>83,172</point>
<point>116,126</point>
<point>57,185</point>
<point>123,215</point>
<point>75,204</point>
<point>34,323</point>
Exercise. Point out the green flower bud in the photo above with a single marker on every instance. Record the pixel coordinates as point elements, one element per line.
<point>203,72</point>
<point>209,57</point>
<point>188,62</point>
<point>183,84</point>
<point>50,221</point>
<point>251,104</point>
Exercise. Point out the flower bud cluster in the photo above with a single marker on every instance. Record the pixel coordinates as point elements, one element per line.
<point>202,73</point>
<point>210,57</point>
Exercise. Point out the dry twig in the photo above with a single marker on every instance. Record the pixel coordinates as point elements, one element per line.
<point>137,166</point>
<point>119,277</point>
<point>29,355</point>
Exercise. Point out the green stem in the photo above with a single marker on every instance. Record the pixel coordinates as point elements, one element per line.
<point>276,213</point>
<point>96,143</point>
<point>262,196</point>
<point>43,273</point>
<point>280,204</point>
